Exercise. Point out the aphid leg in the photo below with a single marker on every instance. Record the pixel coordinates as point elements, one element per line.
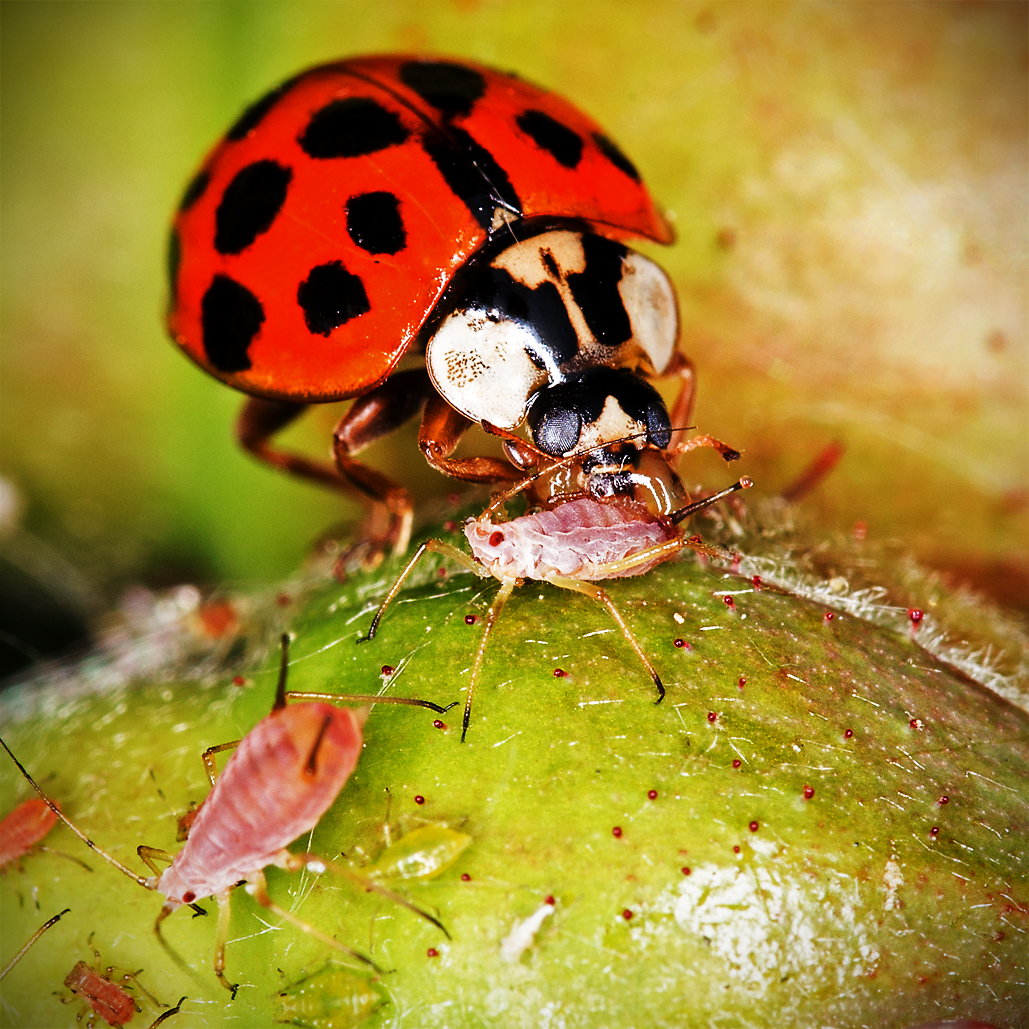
<point>151,855</point>
<point>134,978</point>
<point>168,1014</point>
<point>220,938</point>
<point>318,865</point>
<point>591,589</point>
<point>503,595</point>
<point>208,758</point>
<point>61,853</point>
<point>258,889</point>
<point>32,939</point>
<point>437,546</point>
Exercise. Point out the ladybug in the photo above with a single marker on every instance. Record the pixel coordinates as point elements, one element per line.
<point>438,237</point>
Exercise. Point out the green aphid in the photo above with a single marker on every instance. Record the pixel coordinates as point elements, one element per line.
<point>423,853</point>
<point>332,998</point>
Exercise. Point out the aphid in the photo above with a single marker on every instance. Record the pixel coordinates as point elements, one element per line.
<point>31,940</point>
<point>22,830</point>
<point>423,853</point>
<point>578,541</point>
<point>108,999</point>
<point>331,998</point>
<point>284,775</point>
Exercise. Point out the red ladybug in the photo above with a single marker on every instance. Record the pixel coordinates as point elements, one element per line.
<point>430,236</point>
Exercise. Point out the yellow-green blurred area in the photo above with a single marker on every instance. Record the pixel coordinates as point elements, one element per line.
<point>849,186</point>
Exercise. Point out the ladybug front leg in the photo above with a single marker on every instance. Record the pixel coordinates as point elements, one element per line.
<point>682,409</point>
<point>441,431</point>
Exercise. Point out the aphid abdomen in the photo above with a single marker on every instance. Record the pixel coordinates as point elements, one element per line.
<point>23,828</point>
<point>278,783</point>
<point>573,541</point>
<point>107,999</point>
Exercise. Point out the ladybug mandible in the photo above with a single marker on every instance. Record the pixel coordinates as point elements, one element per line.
<point>437,237</point>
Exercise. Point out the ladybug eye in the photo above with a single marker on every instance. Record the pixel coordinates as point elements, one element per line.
<point>557,430</point>
<point>659,427</point>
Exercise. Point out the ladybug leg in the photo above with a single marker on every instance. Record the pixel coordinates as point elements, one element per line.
<point>259,420</point>
<point>682,412</point>
<point>441,431</point>
<point>682,409</point>
<point>371,417</point>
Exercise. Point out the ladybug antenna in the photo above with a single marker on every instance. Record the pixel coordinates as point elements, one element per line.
<point>684,512</point>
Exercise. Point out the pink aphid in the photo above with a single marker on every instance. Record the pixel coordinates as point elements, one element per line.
<point>576,538</point>
<point>284,775</point>
<point>22,830</point>
<point>106,998</point>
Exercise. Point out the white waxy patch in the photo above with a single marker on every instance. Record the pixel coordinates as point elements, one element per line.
<point>482,368</point>
<point>522,933</point>
<point>650,303</point>
<point>892,878</point>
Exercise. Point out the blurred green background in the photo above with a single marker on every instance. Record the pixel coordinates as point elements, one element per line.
<point>849,184</point>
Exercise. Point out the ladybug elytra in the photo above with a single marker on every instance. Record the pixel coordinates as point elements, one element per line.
<point>388,207</point>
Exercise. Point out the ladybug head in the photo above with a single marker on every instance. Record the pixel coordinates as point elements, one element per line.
<point>601,405</point>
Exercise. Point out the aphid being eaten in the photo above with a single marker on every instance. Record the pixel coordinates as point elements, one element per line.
<point>331,998</point>
<point>22,830</point>
<point>284,775</point>
<point>611,512</point>
<point>31,940</point>
<point>114,1002</point>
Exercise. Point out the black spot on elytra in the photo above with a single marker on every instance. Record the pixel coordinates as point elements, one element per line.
<point>249,205</point>
<point>557,413</point>
<point>374,222</point>
<point>564,145</point>
<point>331,296</point>
<point>231,316</point>
<point>596,290</point>
<point>472,175</point>
<point>615,156</point>
<point>540,310</point>
<point>352,127</point>
<point>451,88</point>
<point>174,259</point>
<point>195,190</point>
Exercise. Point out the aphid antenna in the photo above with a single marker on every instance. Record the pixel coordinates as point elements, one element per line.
<point>684,512</point>
<point>71,825</point>
<point>32,939</point>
